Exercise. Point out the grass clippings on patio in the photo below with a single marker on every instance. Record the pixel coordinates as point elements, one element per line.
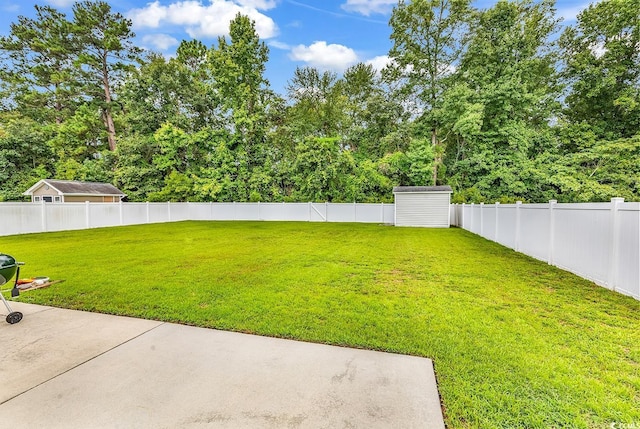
<point>516,343</point>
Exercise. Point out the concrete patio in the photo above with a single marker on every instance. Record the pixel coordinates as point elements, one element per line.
<point>74,369</point>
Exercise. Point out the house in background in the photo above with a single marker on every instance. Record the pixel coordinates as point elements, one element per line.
<point>70,191</point>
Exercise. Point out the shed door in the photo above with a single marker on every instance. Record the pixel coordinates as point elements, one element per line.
<point>422,209</point>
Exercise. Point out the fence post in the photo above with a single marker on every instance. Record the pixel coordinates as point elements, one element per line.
<point>87,214</point>
<point>120,212</point>
<point>495,236</point>
<point>462,217</point>
<point>517,241</point>
<point>326,211</point>
<point>355,212</point>
<point>552,230</point>
<point>382,212</point>
<point>614,243</point>
<point>259,215</point>
<point>481,220</point>
<point>169,210</point>
<point>148,216</point>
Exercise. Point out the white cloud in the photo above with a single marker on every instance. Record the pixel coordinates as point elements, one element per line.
<point>149,16</point>
<point>160,41</point>
<point>258,4</point>
<point>379,62</point>
<point>201,21</point>
<point>325,57</point>
<point>279,45</point>
<point>369,7</point>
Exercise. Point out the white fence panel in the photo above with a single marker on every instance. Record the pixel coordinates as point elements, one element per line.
<point>223,211</point>
<point>247,211</point>
<point>507,225</point>
<point>488,226</point>
<point>17,218</point>
<point>318,212</point>
<point>476,218</point>
<point>134,213</point>
<point>101,215</point>
<point>341,212</point>
<point>200,211</point>
<point>60,217</point>
<point>178,211</point>
<point>534,230</point>
<point>626,275</point>
<point>370,213</point>
<point>582,239</point>
<point>389,214</point>
<point>284,211</point>
<point>158,212</point>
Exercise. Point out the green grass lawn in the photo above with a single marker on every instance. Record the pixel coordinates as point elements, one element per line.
<point>516,343</point>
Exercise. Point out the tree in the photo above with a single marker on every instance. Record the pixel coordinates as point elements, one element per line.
<point>178,91</point>
<point>322,170</point>
<point>428,38</point>
<point>237,69</point>
<point>372,114</point>
<point>38,67</point>
<point>317,103</point>
<point>24,159</point>
<point>135,172</point>
<point>106,53</point>
<point>602,69</point>
<point>499,110</point>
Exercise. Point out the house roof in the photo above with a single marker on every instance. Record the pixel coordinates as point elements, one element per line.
<point>422,189</point>
<point>72,187</point>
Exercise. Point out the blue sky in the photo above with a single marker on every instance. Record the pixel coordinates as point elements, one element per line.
<point>327,34</point>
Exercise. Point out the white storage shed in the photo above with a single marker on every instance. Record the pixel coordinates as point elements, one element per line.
<point>426,206</point>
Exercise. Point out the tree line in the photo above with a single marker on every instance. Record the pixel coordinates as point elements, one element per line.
<point>501,103</point>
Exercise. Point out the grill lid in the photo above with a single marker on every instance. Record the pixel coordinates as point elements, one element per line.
<point>8,268</point>
<point>7,261</point>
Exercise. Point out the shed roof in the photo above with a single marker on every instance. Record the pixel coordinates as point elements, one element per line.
<point>444,188</point>
<point>72,187</point>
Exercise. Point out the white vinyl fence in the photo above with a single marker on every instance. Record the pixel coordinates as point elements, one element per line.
<point>22,218</point>
<point>597,241</point>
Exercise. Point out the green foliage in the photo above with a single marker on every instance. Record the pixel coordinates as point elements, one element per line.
<point>105,55</point>
<point>322,169</point>
<point>38,70</point>
<point>319,104</point>
<point>498,112</point>
<point>471,98</point>
<point>602,53</point>
<point>237,67</point>
<point>177,187</point>
<point>606,170</point>
<point>23,159</point>
<point>420,163</point>
<point>428,40</point>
